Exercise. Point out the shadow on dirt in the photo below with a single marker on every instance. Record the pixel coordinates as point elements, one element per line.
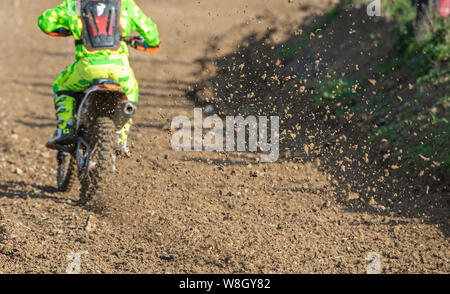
<point>141,60</point>
<point>43,121</point>
<point>156,126</point>
<point>2,232</point>
<point>153,94</point>
<point>35,125</point>
<point>153,106</point>
<point>255,80</point>
<point>153,88</point>
<point>23,190</point>
<point>27,191</point>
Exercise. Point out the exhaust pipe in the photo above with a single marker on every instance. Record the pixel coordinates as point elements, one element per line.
<point>128,108</point>
<point>124,111</point>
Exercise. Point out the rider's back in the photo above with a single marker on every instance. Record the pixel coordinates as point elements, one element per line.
<point>67,15</point>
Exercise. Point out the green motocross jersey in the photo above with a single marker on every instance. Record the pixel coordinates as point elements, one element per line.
<point>66,15</point>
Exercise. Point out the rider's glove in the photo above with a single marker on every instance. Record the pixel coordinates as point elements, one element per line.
<point>140,44</point>
<point>61,32</point>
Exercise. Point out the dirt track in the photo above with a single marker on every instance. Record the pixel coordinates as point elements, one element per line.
<point>179,212</point>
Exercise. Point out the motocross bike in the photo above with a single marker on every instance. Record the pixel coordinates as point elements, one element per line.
<point>102,110</point>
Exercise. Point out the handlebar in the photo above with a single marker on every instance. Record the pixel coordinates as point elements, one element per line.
<point>137,43</point>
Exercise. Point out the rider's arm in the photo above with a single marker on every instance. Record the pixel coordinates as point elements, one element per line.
<point>143,24</point>
<point>54,19</point>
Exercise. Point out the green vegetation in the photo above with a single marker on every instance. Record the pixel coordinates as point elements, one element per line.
<point>339,93</point>
<point>418,128</point>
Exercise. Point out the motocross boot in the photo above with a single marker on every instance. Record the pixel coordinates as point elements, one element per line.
<point>65,134</point>
<point>122,138</point>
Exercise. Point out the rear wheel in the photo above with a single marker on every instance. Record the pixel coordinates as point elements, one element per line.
<point>101,160</point>
<point>65,173</point>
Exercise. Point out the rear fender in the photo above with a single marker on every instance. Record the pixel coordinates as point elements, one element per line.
<point>99,100</point>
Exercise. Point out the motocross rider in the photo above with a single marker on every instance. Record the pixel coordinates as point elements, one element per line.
<point>100,53</point>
